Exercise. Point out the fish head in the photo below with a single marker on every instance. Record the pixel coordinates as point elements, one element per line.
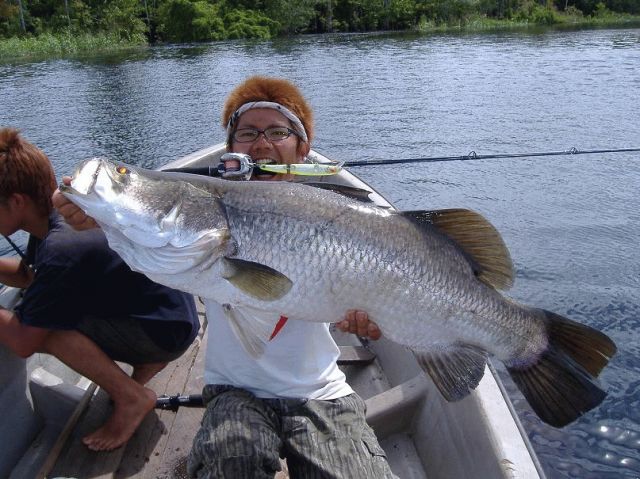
<point>166,219</point>
<point>143,208</point>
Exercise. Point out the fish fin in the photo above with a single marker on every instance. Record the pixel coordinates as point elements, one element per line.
<point>359,194</point>
<point>455,371</point>
<point>257,280</point>
<point>477,238</point>
<point>560,386</point>
<point>252,330</point>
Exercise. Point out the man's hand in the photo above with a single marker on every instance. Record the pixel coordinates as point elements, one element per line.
<point>71,213</point>
<point>357,322</point>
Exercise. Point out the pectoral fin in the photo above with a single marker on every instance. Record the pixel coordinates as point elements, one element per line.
<point>456,371</point>
<point>252,330</point>
<point>256,280</point>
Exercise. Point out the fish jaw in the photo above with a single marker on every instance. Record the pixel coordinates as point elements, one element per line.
<point>99,190</point>
<point>139,210</point>
<point>118,196</point>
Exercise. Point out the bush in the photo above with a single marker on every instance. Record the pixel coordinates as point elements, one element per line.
<point>531,12</point>
<point>122,18</point>
<point>63,44</point>
<point>249,24</point>
<point>186,21</point>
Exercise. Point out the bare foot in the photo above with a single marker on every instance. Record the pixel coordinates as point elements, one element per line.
<point>142,373</point>
<point>123,422</point>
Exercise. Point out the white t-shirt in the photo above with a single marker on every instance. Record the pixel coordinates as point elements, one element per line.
<point>299,362</point>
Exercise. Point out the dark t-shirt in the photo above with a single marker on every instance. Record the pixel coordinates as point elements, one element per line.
<point>78,275</point>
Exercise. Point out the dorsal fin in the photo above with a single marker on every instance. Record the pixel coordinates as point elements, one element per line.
<point>477,238</point>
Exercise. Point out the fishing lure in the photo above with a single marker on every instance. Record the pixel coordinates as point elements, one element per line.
<point>305,169</point>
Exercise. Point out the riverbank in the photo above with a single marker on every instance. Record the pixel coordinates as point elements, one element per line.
<point>546,19</point>
<point>63,45</point>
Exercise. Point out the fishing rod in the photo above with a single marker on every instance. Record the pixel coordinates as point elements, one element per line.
<point>241,166</point>
<point>173,403</point>
<point>471,156</point>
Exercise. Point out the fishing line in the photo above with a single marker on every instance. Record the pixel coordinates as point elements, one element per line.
<point>471,156</point>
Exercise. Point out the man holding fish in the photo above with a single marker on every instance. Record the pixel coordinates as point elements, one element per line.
<point>293,400</point>
<point>82,303</point>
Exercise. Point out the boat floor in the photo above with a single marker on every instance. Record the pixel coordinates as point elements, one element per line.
<point>159,447</point>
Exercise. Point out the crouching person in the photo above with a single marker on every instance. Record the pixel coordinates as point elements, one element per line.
<point>82,303</point>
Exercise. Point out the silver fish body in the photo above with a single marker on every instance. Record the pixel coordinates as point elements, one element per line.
<point>340,254</point>
<point>430,280</point>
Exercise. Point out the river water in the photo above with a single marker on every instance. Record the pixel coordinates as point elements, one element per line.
<point>572,223</point>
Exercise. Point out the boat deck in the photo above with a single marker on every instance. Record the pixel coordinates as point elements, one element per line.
<point>159,447</point>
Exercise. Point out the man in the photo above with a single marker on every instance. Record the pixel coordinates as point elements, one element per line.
<point>82,303</point>
<point>293,401</point>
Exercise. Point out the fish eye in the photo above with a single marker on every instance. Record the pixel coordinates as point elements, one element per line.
<point>122,170</point>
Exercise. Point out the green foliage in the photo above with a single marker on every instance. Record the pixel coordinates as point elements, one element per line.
<point>399,15</point>
<point>64,44</point>
<point>122,17</point>
<point>9,19</point>
<point>532,12</point>
<point>358,15</point>
<point>51,22</point>
<point>501,9</point>
<point>447,12</point>
<point>292,16</point>
<point>186,21</point>
<point>601,11</point>
<point>249,24</point>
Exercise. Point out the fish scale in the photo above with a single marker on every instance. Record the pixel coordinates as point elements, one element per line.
<point>260,225</point>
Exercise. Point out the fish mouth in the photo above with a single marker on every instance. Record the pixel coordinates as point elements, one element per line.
<point>84,178</point>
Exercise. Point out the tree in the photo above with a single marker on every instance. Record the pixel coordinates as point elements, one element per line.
<point>292,15</point>
<point>22,25</point>
<point>186,21</point>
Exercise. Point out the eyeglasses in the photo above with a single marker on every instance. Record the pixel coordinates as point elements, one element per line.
<point>275,133</point>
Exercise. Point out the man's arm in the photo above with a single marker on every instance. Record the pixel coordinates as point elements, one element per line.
<point>15,272</point>
<point>21,339</point>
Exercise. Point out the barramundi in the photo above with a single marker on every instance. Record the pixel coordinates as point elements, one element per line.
<point>429,279</point>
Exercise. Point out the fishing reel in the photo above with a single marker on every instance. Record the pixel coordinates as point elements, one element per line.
<point>236,166</point>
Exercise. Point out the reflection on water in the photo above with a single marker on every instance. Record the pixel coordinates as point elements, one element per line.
<point>571,223</point>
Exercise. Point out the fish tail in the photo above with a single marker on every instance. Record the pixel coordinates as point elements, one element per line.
<point>560,386</point>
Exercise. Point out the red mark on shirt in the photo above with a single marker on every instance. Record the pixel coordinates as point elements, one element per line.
<point>279,325</point>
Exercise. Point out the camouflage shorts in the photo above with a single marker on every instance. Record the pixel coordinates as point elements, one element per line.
<point>243,437</point>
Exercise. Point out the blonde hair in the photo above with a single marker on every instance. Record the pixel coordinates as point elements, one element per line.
<point>276,90</point>
<point>25,169</point>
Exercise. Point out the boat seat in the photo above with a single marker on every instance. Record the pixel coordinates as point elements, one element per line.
<point>393,410</point>
<point>355,355</point>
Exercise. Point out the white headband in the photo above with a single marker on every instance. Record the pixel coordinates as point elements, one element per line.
<point>274,106</point>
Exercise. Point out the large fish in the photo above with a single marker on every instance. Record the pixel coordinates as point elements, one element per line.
<point>429,279</point>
